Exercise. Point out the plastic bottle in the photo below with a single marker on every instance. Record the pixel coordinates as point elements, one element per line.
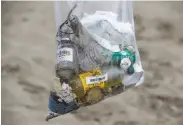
<point>67,54</point>
<point>67,61</point>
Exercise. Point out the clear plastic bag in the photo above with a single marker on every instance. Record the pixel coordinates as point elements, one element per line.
<point>97,55</point>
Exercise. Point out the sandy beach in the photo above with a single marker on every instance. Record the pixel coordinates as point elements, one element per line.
<point>28,59</point>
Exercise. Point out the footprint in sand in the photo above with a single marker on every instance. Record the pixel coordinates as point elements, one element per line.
<point>29,87</point>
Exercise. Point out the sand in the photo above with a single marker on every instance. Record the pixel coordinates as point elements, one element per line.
<point>28,58</point>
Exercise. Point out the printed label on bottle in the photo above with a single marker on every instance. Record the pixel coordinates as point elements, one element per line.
<point>96,79</point>
<point>65,54</point>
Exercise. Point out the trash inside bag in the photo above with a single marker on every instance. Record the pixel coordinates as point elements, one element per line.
<point>97,56</point>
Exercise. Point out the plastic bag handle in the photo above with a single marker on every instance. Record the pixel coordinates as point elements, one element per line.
<point>58,18</point>
<point>125,12</point>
